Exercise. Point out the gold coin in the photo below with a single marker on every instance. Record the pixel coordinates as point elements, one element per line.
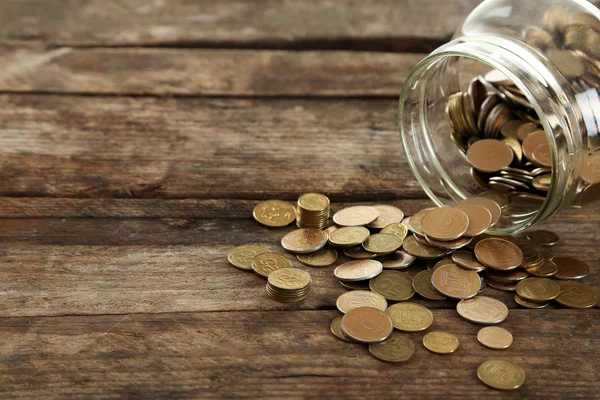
<point>502,286</point>
<point>367,325</point>
<point>577,295</point>
<point>542,182</point>
<point>313,211</point>
<point>445,223</point>
<point>241,256</point>
<point>422,285</point>
<point>306,240</point>
<point>313,202</point>
<point>336,329</point>
<point>570,268</point>
<point>510,128</point>
<point>543,238</point>
<point>360,298</point>
<point>495,337</point>
<point>489,155</point>
<point>529,304</point>
<point>514,275</point>
<point>440,342</point>
<point>498,197</point>
<point>498,254</point>
<point>274,213</point>
<point>387,215</point>
<point>382,243</point>
<point>467,259</point>
<point>456,282</point>
<point>532,253</point>
<point>399,229</point>
<point>265,263</point>
<point>349,236</point>
<point>414,222</point>
<point>410,317</point>
<point>358,253</point>
<point>491,205</point>
<point>289,279</point>
<point>532,141</point>
<point>542,156</point>
<point>538,289</point>
<point>330,229</point>
<point>482,310</point>
<point>397,348</point>
<point>545,270</point>
<point>320,258</point>
<point>480,218</point>
<point>501,374</point>
<point>358,270</point>
<point>356,216</point>
<point>416,249</point>
<point>397,260</point>
<point>449,245</point>
<point>393,285</point>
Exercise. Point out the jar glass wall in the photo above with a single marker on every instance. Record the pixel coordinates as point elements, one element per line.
<point>518,75</point>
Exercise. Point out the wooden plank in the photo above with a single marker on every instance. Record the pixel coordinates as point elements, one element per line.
<point>71,146</point>
<point>191,72</point>
<point>288,355</point>
<point>380,24</point>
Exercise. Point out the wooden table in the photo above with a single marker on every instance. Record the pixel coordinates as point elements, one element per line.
<point>137,136</point>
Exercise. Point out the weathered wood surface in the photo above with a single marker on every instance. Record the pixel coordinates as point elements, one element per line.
<point>282,355</point>
<point>193,72</point>
<point>384,24</point>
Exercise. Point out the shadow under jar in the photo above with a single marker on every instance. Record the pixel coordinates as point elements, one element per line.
<point>518,75</point>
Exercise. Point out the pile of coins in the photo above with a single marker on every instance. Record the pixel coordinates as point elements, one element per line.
<point>313,211</point>
<point>385,247</point>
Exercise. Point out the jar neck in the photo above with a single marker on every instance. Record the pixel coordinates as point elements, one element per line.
<point>547,91</point>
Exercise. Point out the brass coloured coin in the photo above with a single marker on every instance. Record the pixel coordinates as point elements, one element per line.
<point>467,259</point>
<point>422,285</point>
<point>336,329</point>
<point>274,213</point>
<point>399,229</point>
<point>416,249</point>
<point>480,218</point>
<point>529,304</point>
<point>491,205</point>
<point>414,223</point>
<point>356,216</point>
<point>495,337</point>
<point>349,236</point>
<point>482,310</point>
<point>358,253</point>
<point>489,155</point>
<point>501,374</point>
<point>265,263</point>
<point>440,342</point>
<point>498,197</point>
<point>456,282</point>
<point>498,254</point>
<point>538,289</point>
<point>577,295</point>
<point>289,279</point>
<point>543,237</point>
<point>320,258</point>
<point>382,243</point>
<point>360,298</point>
<point>393,285</point>
<point>397,348</point>
<point>570,268</point>
<point>445,223</point>
<point>358,270</point>
<point>387,215</point>
<point>367,325</point>
<point>305,240</point>
<point>241,256</point>
<point>545,270</point>
<point>449,245</point>
<point>397,260</point>
<point>410,317</point>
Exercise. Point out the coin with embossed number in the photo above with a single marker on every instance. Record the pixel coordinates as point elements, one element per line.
<point>360,298</point>
<point>445,223</point>
<point>440,342</point>
<point>501,374</point>
<point>265,263</point>
<point>410,317</point>
<point>274,213</point>
<point>289,279</point>
<point>397,348</point>
<point>382,243</point>
<point>320,258</point>
<point>356,216</point>
<point>495,337</point>
<point>399,229</point>
<point>306,240</point>
<point>577,295</point>
<point>456,282</point>
<point>387,215</point>
<point>538,289</point>
<point>358,270</point>
<point>241,256</point>
<point>393,285</point>
<point>482,310</point>
<point>367,325</point>
<point>349,236</point>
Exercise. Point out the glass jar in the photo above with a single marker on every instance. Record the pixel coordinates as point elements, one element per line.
<point>541,59</point>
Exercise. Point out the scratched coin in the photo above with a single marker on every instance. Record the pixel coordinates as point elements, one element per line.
<point>445,223</point>
<point>538,289</point>
<point>393,285</point>
<point>397,348</point>
<point>399,229</point>
<point>320,258</point>
<point>382,243</point>
<point>423,286</point>
<point>336,329</point>
<point>349,236</point>
<point>440,342</point>
<point>306,240</point>
<point>356,216</point>
<point>456,282</point>
<point>241,256</point>
<point>360,298</point>
<point>265,263</point>
<point>577,295</point>
<point>274,213</point>
<point>410,317</point>
<point>498,254</point>
<point>387,215</point>
<point>358,270</point>
<point>501,374</point>
<point>495,337</point>
<point>367,325</point>
<point>482,310</point>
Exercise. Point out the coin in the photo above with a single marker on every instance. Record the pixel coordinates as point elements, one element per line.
<point>497,197</point>
<point>498,254</point>
<point>467,259</point>
<point>591,169</point>
<point>545,270</point>
<point>514,275</point>
<point>456,282</point>
<point>382,243</point>
<point>491,205</point>
<point>510,128</point>
<point>480,218</point>
<point>387,215</point>
<point>349,236</point>
<point>526,129</point>
<point>445,223</point>
<point>410,317</point>
<point>416,249</point>
<point>532,253</point>
<point>397,348</point>
<point>289,279</point>
<point>356,216</point>
<point>441,263</point>
<point>503,286</point>
<point>542,156</point>
<point>449,245</point>
<point>313,211</point>
<point>542,182</point>
<point>570,268</point>
<point>567,62</point>
<point>393,285</point>
<point>528,304</point>
<point>360,298</point>
<point>414,223</point>
<point>367,325</point>
<point>320,258</point>
<point>274,213</point>
<point>532,141</point>
<point>305,240</point>
<point>501,374</point>
<point>241,256</point>
<point>482,310</point>
<point>336,329</point>
<point>489,155</point>
<point>358,270</point>
<point>422,285</point>
<point>265,263</point>
<point>440,342</point>
<point>399,229</point>
<point>397,260</point>
<point>495,337</point>
<point>330,229</point>
<point>538,289</point>
<point>358,253</point>
<point>543,237</point>
<point>577,295</point>
<point>358,285</point>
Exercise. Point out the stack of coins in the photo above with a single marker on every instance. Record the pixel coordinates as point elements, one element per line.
<point>312,211</point>
<point>288,285</point>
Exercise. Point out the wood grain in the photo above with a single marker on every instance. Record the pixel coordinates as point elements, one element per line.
<point>380,24</point>
<point>189,72</point>
<point>288,355</point>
